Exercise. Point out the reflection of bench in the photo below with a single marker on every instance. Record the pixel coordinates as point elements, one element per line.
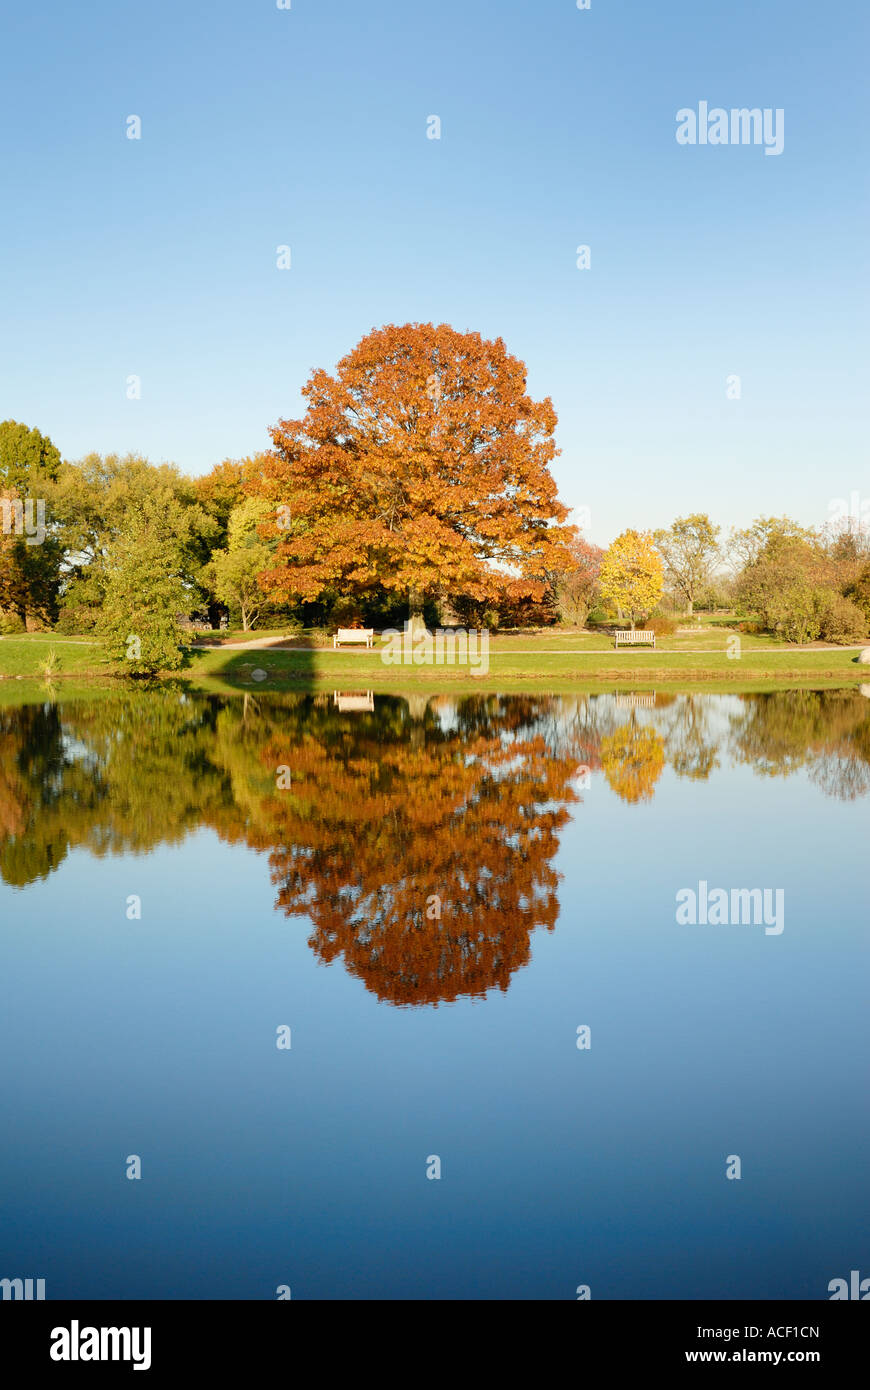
<point>350,700</point>
<point>353,634</point>
<point>626,639</point>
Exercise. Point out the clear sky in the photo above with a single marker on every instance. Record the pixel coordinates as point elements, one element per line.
<point>307,127</point>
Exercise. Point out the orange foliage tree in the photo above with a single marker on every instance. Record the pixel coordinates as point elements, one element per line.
<point>421,466</point>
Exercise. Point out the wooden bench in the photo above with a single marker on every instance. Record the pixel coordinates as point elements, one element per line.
<point>623,638</point>
<point>353,634</point>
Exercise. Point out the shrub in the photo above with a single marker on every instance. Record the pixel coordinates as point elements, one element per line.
<point>660,625</point>
<point>843,621</point>
<point>796,611</point>
<point>10,623</point>
<point>75,619</point>
<point>525,612</point>
<point>859,592</point>
<point>597,617</point>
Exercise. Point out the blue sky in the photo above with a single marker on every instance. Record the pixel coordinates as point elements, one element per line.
<point>307,127</point>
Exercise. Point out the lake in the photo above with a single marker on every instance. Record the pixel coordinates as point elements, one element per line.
<point>498,997</point>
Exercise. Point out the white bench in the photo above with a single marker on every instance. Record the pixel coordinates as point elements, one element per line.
<point>623,638</point>
<point>353,634</point>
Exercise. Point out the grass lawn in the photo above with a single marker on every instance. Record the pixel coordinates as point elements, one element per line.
<point>224,669</point>
<point>565,659</point>
<point>23,656</point>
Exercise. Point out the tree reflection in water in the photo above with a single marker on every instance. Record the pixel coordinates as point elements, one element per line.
<point>417,837</point>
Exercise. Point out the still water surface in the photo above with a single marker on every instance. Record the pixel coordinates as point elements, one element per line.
<point>433,897</point>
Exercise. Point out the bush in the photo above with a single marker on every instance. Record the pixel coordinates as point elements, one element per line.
<point>596,617</point>
<point>859,592</point>
<point>795,611</point>
<point>660,625</point>
<point>74,620</point>
<point>10,623</point>
<point>843,621</point>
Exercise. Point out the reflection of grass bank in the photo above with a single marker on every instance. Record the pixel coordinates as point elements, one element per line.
<point>17,693</point>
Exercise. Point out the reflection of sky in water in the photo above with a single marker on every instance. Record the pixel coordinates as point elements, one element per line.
<point>560,1167</point>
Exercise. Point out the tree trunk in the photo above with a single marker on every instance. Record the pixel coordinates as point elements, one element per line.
<point>416,622</point>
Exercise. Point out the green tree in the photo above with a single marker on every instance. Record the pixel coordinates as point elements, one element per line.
<point>224,488</point>
<point>689,547</point>
<point>146,591</point>
<point>790,585</point>
<point>232,573</point>
<point>30,554</point>
<point>27,458</point>
<point>745,547</point>
<point>91,501</point>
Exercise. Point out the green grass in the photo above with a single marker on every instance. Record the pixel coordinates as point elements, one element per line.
<point>703,638</point>
<point>23,656</point>
<point>222,668</point>
<point>559,660</point>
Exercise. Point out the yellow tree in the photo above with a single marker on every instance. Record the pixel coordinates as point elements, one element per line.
<point>633,759</point>
<point>632,574</point>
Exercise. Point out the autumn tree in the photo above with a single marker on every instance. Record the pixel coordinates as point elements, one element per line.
<point>422,465</point>
<point>688,548</point>
<point>575,588</point>
<point>632,575</point>
<point>847,544</point>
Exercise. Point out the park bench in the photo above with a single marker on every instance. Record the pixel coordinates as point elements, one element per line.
<point>624,638</point>
<point>353,634</point>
